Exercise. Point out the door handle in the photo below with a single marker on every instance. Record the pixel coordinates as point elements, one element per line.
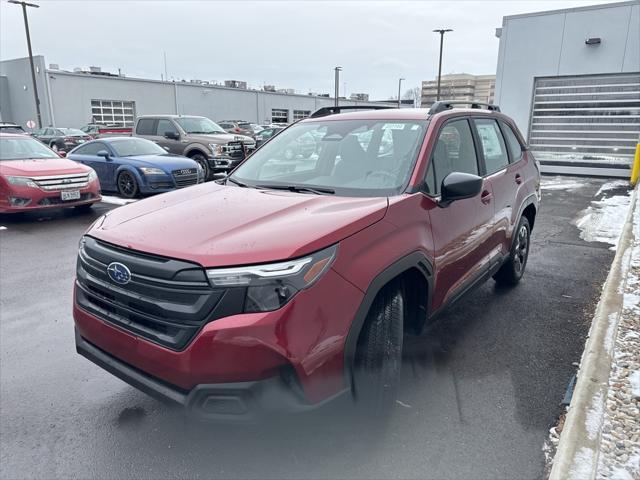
<point>486,197</point>
<point>518,178</point>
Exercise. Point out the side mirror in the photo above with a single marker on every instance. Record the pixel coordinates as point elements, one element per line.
<point>172,135</point>
<point>458,186</point>
<point>104,154</point>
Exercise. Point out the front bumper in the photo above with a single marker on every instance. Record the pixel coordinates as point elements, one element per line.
<point>237,402</point>
<point>41,200</point>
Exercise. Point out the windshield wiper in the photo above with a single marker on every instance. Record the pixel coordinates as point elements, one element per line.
<point>300,189</point>
<point>237,182</point>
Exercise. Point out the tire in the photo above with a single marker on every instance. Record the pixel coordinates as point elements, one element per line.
<point>378,359</point>
<point>511,272</point>
<point>127,185</point>
<point>54,147</point>
<point>202,161</point>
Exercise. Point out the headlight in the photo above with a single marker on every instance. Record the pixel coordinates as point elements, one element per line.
<point>271,286</point>
<point>151,171</point>
<point>93,176</point>
<point>216,149</point>
<point>23,181</point>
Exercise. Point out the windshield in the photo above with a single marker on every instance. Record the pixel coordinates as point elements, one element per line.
<point>14,148</point>
<point>200,125</point>
<point>71,131</point>
<point>136,146</point>
<point>350,157</point>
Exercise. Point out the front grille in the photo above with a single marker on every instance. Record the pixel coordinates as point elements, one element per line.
<point>58,201</point>
<point>166,301</point>
<point>185,177</point>
<point>62,182</point>
<point>234,150</point>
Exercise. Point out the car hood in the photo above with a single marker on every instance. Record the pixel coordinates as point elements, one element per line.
<point>220,138</point>
<point>216,225</point>
<point>166,162</point>
<point>41,167</point>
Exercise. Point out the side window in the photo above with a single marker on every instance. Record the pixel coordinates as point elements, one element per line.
<point>90,149</point>
<point>165,126</point>
<point>145,126</point>
<point>512,141</point>
<point>454,152</point>
<point>493,146</point>
<point>49,132</point>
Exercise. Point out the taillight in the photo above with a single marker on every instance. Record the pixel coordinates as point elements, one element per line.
<point>67,139</point>
<point>237,130</point>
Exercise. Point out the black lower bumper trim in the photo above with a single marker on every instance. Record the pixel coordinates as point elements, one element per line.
<point>237,402</point>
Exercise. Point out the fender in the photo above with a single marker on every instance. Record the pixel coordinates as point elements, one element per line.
<point>416,260</point>
<point>196,147</point>
<point>531,199</point>
<point>132,170</point>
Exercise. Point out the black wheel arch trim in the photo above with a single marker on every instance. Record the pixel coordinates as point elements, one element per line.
<point>417,260</point>
<point>531,199</point>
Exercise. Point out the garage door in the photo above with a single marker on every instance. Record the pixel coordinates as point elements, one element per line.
<point>587,124</point>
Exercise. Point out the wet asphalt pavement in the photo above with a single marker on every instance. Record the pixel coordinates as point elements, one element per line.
<point>479,391</point>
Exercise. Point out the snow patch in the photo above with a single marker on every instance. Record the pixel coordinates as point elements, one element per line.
<point>620,474</point>
<point>603,220</point>
<point>609,341</point>
<point>561,183</point>
<point>594,416</point>
<point>117,200</point>
<point>612,186</point>
<point>634,380</point>
<point>582,464</point>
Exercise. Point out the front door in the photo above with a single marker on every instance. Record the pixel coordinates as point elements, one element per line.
<point>462,231</point>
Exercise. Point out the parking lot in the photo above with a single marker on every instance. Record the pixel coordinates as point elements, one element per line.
<point>479,391</point>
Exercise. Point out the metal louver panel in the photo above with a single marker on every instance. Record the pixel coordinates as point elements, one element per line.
<point>588,121</point>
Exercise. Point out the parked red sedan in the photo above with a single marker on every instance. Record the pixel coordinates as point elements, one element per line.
<point>33,177</point>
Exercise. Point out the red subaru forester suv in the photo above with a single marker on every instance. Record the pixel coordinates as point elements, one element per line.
<point>294,281</point>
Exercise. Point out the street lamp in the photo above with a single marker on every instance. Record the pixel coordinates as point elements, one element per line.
<point>33,70</point>
<point>337,82</point>
<point>441,31</point>
<point>399,87</point>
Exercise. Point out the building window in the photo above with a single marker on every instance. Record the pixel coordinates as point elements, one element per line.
<point>117,113</point>
<point>279,115</point>
<point>300,114</point>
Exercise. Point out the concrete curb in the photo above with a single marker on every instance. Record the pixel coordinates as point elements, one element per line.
<point>579,446</point>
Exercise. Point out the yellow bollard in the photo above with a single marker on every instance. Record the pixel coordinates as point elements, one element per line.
<point>635,168</point>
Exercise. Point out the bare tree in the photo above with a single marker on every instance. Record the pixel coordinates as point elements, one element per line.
<point>413,94</point>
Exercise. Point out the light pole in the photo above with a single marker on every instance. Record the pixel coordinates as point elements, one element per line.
<point>399,87</point>
<point>441,31</point>
<point>337,83</point>
<point>33,70</point>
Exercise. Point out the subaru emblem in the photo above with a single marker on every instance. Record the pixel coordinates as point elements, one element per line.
<point>119,273</point>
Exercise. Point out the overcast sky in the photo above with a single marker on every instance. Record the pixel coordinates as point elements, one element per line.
<point>291,44</point>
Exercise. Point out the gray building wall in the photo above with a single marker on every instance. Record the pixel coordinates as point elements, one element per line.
<point>553,43</point>
<point>5,101</point>
<point>21,102</point>
<point>69,104</point>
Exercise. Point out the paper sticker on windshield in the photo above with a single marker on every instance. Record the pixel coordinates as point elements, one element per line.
<point>393,126</point>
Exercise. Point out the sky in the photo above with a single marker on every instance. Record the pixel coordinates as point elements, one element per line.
<point>290,44</point>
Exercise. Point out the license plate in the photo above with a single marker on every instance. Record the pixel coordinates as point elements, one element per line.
<point>70,195</point>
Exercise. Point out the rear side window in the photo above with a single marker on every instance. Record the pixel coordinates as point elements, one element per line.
<point>493,146</point>
<point>145,126</point>
<point>454,152</point>
<point>512,142</point>
<point>90,149</point>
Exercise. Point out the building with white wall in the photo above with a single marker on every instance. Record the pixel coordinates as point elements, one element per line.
<point>73,99</point>
<point>459,86</point>
<point>571,80</point>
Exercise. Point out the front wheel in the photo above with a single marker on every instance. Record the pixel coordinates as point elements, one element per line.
<point>379,353</point>
<point>511,272</point>
<point>202,161</point>
<point>127,185</point>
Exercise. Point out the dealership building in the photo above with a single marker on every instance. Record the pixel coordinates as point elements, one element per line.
<point>571,80</point>
<point>73,99</point>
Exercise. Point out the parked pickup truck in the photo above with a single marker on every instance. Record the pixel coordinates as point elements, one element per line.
<point>96,130</point>
<point>199,138</point>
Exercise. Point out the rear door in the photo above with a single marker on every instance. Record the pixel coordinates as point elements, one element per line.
<point>463,246</point>
<point>504,176</point>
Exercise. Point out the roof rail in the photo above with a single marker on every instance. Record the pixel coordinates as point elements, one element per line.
<point>324,111</point>
<point>443,105</point>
